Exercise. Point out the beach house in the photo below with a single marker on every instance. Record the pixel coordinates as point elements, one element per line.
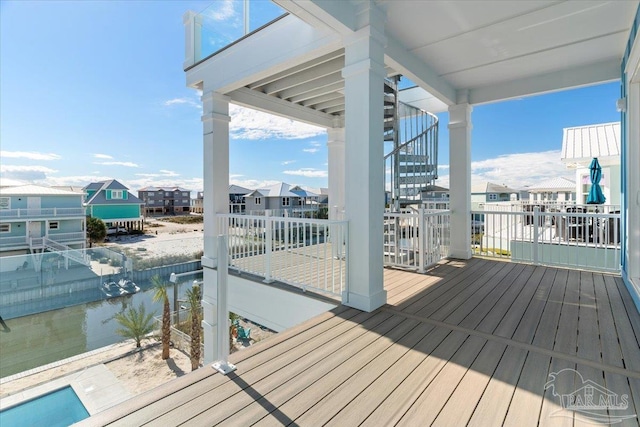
<point>34,218</point>
<point>472,341</point>
<point>114,204</point>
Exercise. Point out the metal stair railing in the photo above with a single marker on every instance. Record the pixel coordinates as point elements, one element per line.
<point>411,166</point>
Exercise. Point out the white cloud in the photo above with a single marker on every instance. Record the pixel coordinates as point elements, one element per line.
<point>126,164</point>
<point>182,101</point>
<point>287,162</point>
<point>74,180</point>
<point>252,124</point>
<point>192,184</point>
<point>163,173</point>
<point>223,12</point>
<point>10,182</point>
<point>19,168</point>
<point>102,156</point>
<point>31,155</point>
<point>307,172</point>
<point>515,170</point>
<point>311,150</point>
<point>252,184</point>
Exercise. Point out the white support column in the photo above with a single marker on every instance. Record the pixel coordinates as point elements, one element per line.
<point>633,182</point>
<point>215,120</point>
<point>335,145</point>
<point>364,74</point>
<point>460,179</point>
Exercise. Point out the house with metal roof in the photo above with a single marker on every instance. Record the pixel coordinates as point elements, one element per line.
<point>581,144</point>
<point>280,198</point>
<point>34,218</point>
<point>487,192</point>
<point>559,189</point>
<point>114,204</point>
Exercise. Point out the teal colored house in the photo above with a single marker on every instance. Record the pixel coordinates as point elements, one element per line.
<point>34,218</point>
<point>114,204</point>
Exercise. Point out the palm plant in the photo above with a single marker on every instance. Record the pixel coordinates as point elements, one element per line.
<point>136,323</point>
<point>233,330</point>
<point>160,294</point>
<point>193,299</point>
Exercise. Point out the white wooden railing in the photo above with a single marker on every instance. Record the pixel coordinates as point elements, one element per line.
<point>306,253</point>
<point>41,213</point>
<point>546,206</point>
<point>67,237</point>
<point>571,238</point>
<point>13,241</point>
<point>416,239</point>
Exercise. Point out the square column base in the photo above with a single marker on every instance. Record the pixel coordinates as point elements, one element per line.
<point>364,302</point>
<point>461,254</point>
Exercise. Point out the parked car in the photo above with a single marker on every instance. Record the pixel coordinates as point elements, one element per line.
<point>116,230</point>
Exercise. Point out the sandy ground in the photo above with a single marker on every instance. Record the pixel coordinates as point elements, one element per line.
<point>162,238</point>
<point>139,370</point>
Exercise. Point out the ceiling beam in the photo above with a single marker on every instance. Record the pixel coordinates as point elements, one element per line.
<point>272,105</point>
<point>298,68</point>
<point>323,98</point>
<point>418,71</point>
<point>321,70</point>
<point>584,75</point>
<point>340,16</point>
<point>316,92</point>
<point>309,86</point>
<point>333,103</point>
<point>336,109</point>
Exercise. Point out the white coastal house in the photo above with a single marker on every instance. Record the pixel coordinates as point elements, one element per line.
<point>337,72</point>
<point>583,143</point>
<point>471,342</point>
<point>560,189</point>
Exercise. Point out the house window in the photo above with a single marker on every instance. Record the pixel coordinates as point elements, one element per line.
<point>5,228</point>
<point>299,202</point>
<point>151,202</point>
<point>258,200</point>
<point>185,201</point>
<point>116,194</point>
<point>54,225</point>
<point>286,201</point>
<point>185,194</point>
<point>150,193</point>
<point>493,197</point>
<point>5,202</point>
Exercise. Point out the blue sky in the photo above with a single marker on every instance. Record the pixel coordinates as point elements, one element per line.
<point>95,90</point>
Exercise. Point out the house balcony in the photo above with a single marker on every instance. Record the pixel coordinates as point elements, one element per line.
<point>477,342</point>
<point>24,242</point>
<point>41,213</point>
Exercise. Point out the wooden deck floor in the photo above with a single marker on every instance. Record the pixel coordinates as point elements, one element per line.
<point>470,343</point>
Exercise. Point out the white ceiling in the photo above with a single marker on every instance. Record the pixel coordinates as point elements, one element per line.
<point>478,43</point>
<point>463,51</point>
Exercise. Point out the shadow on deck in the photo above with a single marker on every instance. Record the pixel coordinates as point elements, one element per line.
<point>469,343</point>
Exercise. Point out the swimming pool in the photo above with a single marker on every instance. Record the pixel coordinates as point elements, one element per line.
<point>59,408</point>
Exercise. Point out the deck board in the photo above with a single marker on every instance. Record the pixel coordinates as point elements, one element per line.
<point>469,342</point>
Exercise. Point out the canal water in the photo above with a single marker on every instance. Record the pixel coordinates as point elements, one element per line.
<point>35,340</point>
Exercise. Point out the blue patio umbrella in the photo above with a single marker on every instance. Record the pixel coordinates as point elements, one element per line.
<point>595,196</point>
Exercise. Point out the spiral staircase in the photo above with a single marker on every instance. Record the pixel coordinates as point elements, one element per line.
<point>411,140</point>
